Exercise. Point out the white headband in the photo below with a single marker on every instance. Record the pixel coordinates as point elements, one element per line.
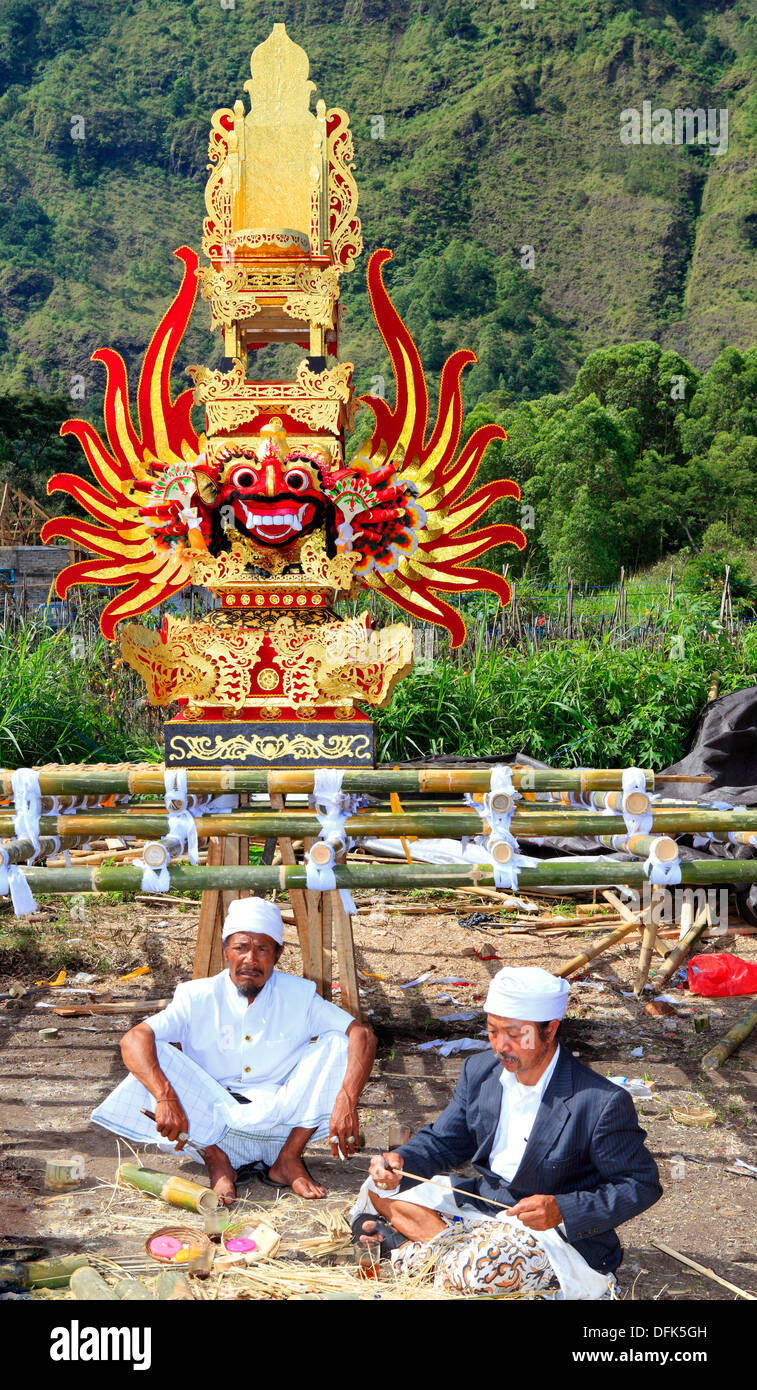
<point>527,992</point>
<point>254,915</point>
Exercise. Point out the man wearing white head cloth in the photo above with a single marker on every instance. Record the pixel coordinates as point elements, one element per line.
<point>265,1066</point>
<point>558,1153</point>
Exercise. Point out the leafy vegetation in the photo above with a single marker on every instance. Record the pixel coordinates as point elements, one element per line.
<point>500,133</point>
<point>640,456</point>
<point>571,704</point>
<point>62,699</point>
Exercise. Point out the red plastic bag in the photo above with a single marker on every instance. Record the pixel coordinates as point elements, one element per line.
<point>721,975</point>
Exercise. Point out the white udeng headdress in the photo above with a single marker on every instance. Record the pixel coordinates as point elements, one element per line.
<point>527,992</point>
<point>254,915</point>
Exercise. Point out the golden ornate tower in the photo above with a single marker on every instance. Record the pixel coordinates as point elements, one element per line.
<point>262,510</point>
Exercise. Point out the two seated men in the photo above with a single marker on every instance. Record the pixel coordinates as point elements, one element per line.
<point>266,1065</point>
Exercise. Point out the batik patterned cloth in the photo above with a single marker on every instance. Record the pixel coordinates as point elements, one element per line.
<point>486,1256</point>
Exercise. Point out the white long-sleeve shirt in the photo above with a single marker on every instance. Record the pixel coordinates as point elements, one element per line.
<point>516,1119</point>
<point>239,1043</point>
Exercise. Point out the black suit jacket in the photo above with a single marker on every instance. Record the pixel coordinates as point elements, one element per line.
<point>586,1149</point>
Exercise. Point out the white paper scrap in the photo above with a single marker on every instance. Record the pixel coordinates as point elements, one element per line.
<point>419,981</point>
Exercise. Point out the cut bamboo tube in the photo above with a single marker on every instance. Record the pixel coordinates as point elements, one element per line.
<point>179,1192</point>
<point>422,824</point>
<point>550,873</point>
<point>90,1287</point>
<point>642,846</point>
<point>717,1055</point>
<point>173,1287</point>
<point>578,962</point>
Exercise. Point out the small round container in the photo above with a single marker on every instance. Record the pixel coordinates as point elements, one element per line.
<point>215,1222</point>
<point>62,1174</point>
<point>178,1246</point>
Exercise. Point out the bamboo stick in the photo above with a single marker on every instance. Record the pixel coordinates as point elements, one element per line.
<point>701,1269</point>
<point>682,949</point>
<point>577,962</point>
<point>549,873</point>
<point>717,1055</point>
<point>380,824</point>
<point>80,779</point>
<point>651,926</point>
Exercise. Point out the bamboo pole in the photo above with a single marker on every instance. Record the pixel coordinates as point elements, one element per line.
<point>551,873</point>
<point>103,779</point>
<point>717,1055</point>
<point>577,962</point>
<point>526,823</point>
<point>651,917</point>
<point>682,949</point>
<point>19,851</point>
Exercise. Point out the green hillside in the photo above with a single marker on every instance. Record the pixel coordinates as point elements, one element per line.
<point>501,131</point>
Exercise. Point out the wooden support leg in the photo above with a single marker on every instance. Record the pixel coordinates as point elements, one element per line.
<point>227,849</point>
<point>344,946</point>
<point>297,896</point>
<point>319,942</point>
<point>208,953</point>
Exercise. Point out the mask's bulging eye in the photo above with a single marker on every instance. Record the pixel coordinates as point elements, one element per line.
<point>244,478</point>
<point>297,480</point>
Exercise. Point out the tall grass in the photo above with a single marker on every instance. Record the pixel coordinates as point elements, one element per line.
<point>591,703</point>
<point>64,701</point>
<point>573,703</point>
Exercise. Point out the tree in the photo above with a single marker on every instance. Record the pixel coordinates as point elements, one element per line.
<point>31,447</point>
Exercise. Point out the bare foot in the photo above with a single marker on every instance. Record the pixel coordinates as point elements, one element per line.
<point>221,1175</point>
<point>291,1172</point>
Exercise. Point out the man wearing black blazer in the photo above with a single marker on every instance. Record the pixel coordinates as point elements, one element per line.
<point>555,1143</point>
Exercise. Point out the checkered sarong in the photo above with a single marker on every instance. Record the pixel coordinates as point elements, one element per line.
<point>246,1132</point>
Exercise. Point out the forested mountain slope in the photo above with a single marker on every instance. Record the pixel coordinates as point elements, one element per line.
<point>501,131</point>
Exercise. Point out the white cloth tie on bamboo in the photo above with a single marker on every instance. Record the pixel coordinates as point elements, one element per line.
<point>13,881</point>
<point>27,803</point>
<point>175,783</point>
<point>634,780</point>
<point>333,807</point>
<point>659,871</point>
<point>153,880</point>
<point>181,827</point>
<point>499,818</point>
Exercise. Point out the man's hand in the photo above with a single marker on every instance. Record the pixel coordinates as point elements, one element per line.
<point>344,1132</point>
<point>541,1213</point>
<point>170,1119</point>
<point>386,1170</point>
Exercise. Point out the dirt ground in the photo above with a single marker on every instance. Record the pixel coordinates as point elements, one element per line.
<point>48,1088</point>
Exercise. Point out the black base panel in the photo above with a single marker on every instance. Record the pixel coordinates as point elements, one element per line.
<point>250,743</point>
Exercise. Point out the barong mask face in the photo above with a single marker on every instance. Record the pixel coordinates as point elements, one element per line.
<point>252,959</point>
<point>521,1046</point>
